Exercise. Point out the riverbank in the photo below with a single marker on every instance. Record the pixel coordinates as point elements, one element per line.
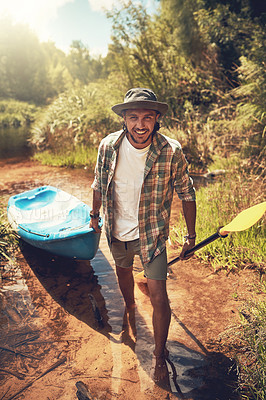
<point>49,298</point>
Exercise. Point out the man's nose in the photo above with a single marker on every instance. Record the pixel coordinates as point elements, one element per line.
<point>140,123</point>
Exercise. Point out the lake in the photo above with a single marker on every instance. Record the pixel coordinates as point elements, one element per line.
<point>13,142</point>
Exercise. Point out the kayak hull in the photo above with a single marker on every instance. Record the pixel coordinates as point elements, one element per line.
<point>53,220</point>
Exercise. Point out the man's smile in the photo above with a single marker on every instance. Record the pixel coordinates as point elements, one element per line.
<point>140,132</point>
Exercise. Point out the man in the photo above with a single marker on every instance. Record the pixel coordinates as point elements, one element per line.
<point>136,172</point>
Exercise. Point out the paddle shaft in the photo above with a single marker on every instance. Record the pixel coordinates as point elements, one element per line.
<point>199,246</point>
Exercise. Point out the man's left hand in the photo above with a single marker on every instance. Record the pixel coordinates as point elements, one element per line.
<point>187,246</point>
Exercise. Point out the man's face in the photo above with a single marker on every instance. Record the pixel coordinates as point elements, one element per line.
<point>140,125</point>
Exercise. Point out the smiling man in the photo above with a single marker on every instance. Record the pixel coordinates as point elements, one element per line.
<point>137,171</point>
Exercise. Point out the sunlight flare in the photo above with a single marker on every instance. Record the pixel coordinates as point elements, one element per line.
<point>35,14</point>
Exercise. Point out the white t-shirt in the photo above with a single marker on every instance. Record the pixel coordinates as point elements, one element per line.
<point>128,180</point>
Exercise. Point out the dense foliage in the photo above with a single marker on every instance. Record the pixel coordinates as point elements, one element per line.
<point>205,58</point>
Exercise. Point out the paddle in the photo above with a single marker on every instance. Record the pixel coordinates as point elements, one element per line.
<point>241,222</point>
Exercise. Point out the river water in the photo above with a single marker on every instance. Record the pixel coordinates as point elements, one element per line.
<point>13,142</point>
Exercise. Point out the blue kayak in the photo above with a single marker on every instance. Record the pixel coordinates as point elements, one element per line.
<point>55,221</point>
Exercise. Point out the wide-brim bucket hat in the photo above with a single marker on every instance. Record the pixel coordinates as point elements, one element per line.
<point>140,98</point>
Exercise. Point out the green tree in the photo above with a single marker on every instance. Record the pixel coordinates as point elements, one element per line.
<point>59,76</point>
<point>82,67</point>
<point>22,64</point>
<point>144,50</point>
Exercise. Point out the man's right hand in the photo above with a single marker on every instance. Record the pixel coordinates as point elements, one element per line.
<point>94,223</point>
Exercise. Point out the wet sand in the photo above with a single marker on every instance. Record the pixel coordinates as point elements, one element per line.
<point>49,325</point>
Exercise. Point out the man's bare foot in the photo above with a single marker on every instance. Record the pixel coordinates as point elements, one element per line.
<point>128,335</point>
<point>132,319</point>
<point>160,372</point>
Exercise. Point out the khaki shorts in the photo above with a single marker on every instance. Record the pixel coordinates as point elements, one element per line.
<point>124,253</point>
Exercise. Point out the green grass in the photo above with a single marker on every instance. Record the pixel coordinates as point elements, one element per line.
<point>8,239</point>
<point>79,157</point>
<point>230,163</point>
<point>217,205</point>
<point>252,363</point>
<point>246,343</point>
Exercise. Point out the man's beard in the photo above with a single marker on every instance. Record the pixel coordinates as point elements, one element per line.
<point>136,141</point>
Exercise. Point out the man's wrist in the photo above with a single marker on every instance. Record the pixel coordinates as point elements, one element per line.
<point>190,237</point>
<point>94,214</point>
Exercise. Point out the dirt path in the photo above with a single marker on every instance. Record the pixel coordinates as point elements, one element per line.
<point>47,316</point>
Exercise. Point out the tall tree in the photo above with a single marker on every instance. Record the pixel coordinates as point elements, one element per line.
<point>22,62</point>
<point>144,50</point>
<point>81,65</point>
<point>230,26</point>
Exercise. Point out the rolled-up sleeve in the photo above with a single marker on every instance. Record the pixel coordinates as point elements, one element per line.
<point>183,183</point>
<point>97,184</point>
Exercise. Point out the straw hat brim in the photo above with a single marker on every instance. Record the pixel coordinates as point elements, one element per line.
<point>145,104</point>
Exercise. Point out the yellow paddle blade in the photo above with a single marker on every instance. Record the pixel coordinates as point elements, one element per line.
<point>245,219</point>
<point>140,275</point>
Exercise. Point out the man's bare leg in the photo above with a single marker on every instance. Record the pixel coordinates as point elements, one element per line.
<point>126,284</point>
<point>161,322</point>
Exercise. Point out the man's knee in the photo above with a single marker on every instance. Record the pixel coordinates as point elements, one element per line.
<point>160,301</point>
<point>158,294</point>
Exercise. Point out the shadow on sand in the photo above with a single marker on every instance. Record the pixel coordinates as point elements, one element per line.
<point>72,284</point>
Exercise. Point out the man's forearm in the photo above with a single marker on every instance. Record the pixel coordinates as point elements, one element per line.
<point>96,201</point>
<point>189,210</point>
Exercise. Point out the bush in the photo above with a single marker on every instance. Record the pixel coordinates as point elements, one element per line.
<point>78,117</point>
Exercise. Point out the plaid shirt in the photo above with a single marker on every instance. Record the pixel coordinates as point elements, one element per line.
<point>165,170</point>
